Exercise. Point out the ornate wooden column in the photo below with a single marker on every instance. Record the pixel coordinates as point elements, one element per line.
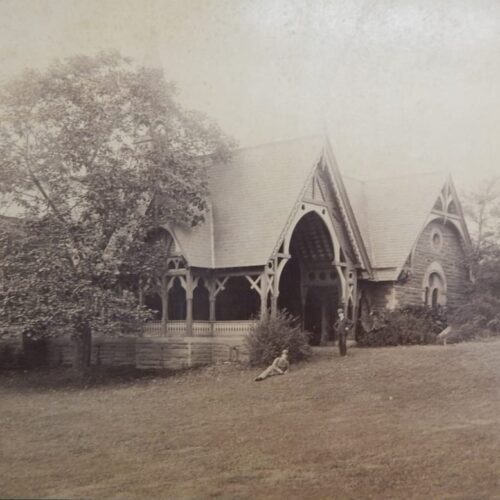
<point>278,263</point>
<point>352,283</point>
<point>164,303</point>
<point>212,301</point>
<point>263,292</point>
<point>216,286</point>
<point>189,303</point>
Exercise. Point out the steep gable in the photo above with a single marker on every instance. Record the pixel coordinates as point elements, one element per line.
<point>395,211</point>
<point>251,198</point>
<point>254,196</point>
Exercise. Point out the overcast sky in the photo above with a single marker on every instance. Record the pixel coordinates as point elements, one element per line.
<point>400,85</point>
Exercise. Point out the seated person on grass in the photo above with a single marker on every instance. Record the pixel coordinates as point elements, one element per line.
<point>279,367</point>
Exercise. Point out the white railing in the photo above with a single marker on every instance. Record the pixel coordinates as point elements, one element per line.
<point>152,329</point>
<point>200,328</point>
<point>232,328</point>
<point>176,328</point>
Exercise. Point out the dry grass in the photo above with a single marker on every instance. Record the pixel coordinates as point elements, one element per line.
<point>404,422</point>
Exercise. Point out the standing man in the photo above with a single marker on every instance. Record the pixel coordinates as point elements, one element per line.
<point>342,327</point>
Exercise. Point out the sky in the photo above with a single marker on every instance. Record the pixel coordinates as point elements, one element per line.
<point>399,86</point>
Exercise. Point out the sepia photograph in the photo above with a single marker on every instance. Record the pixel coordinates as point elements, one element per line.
<point>250,249</point>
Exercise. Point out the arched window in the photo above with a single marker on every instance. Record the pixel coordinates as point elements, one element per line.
<point>435,298</point>
<point>177,301</point>
<point>201,302</point>
<point>434,286</point>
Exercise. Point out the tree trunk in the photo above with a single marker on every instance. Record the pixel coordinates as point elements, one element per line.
<point>83,349</point>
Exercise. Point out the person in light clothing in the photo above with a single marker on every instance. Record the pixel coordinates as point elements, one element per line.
<point>279,367</point>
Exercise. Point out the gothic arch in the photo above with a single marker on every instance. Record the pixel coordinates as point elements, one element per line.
<point>306,209</point>
<point>434,285</point>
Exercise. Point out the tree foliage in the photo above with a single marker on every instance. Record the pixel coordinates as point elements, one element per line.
<point>86,146</point>
<point>479,316</point>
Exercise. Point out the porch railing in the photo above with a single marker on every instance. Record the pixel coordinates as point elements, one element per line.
<point>232,328</point>
<point>200,328</point>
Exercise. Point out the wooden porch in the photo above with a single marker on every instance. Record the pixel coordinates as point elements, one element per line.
<point>220,329</point>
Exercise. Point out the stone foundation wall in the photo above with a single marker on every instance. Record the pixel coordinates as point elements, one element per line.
<point>151,353</point>
<point>378,296</point>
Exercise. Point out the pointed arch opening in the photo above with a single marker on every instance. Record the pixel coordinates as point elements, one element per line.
<point>434,286</point>
<point>201,302</point>
<point>310,286</point>
<point>177,301</point>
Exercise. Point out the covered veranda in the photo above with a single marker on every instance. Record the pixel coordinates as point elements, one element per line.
<point>308,274</point>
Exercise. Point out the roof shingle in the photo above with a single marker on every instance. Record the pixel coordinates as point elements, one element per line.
<point>253,195</point>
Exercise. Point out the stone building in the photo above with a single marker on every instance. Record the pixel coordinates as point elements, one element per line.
<point>287,229</point>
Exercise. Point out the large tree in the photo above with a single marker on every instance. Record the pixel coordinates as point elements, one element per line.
<point>86,146</point>
<point>482,207</point>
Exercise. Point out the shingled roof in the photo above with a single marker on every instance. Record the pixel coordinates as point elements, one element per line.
<point>254,194</point>
<point>251,199</point>
<point>391,213</point>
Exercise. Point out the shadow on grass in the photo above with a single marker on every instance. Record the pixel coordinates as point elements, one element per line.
<point>68,378</point>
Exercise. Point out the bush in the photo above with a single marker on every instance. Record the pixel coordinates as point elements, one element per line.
<point>478,318</point>
<point>269,337</point>
<point>404,326</point>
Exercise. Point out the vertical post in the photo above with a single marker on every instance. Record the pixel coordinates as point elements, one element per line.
<point>189,303</point>
<point>263,295</point>
<point>274,294</point>
<point>141,292</point>
<point>324,321</point>
<point>355,301</point>
<point>164,304</point>
<point>275,290</point>
<point>212,301</point>
<point>274,306</point>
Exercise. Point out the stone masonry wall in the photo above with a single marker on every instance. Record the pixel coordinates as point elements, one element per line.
<point>379,296</point>
<point>449,254</point>
<point>151,353</point>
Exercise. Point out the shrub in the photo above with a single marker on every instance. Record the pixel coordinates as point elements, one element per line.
<point>403,326</point>
<point>476,319</point>
<point>269,337</point>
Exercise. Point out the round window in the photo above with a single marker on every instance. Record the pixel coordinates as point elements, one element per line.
<point>436,240</point>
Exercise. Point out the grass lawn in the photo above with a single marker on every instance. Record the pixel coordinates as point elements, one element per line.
<point>402,422</point>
